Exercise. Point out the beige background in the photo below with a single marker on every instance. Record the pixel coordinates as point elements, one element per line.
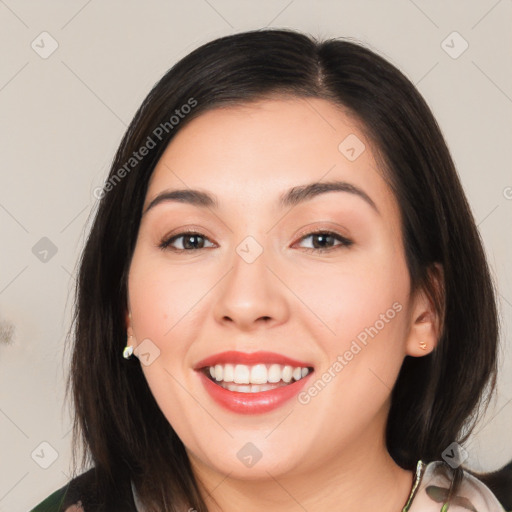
<point>63,116</point>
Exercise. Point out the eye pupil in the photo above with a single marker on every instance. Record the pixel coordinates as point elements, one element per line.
<point>186,240</point>
<point>323,238</point>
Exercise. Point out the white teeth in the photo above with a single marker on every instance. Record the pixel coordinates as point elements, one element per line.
<point>274,373</point>
<point>287,373</point>
<point>258,375</point>
<point>229,373</point>
<point>252,388</point>
<point>242,374</point>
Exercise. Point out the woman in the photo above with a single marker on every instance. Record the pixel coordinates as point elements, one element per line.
<point>285,258</point>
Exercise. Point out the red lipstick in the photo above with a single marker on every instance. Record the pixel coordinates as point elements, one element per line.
<point>251,403</point>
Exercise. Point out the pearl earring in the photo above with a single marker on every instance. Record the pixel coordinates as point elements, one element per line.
<point>128,350</point>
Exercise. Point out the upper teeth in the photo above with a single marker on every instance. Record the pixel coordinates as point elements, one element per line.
<point>257,374</point>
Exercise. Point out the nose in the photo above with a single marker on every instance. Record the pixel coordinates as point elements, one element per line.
<point>251,296</point>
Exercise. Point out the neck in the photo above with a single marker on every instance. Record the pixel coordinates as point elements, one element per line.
<point>363,477</point>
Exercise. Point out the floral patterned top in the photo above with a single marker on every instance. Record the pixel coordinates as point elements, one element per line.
<point>428,494</point>
<point>431,486</point>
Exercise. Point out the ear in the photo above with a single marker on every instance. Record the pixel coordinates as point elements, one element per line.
<point>128,323</point>
<point>426,321</point>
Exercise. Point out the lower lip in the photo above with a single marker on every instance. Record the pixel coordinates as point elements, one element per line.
<point>252,403</point>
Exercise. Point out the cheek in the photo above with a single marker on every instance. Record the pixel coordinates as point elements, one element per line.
<point>165,306</point>
<point>158,301</point>
<point>352,296</point>
<point>362,331</point>
<point>363,328</point>
<point>163,301</point>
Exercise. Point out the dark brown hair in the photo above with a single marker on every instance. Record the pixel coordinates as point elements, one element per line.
<point>118,423</point>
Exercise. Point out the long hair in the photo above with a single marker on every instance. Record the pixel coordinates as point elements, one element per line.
<point>436,398</point>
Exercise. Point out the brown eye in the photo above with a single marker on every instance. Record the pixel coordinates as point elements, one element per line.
<point>190,241</point>
<point>323,241</point>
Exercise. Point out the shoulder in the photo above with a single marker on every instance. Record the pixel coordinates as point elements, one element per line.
<point>433,489</point>
<point>72,497</point>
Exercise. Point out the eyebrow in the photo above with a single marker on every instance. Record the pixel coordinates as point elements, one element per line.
<point>291,197</point>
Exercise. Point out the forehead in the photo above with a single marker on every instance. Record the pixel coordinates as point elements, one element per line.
<point>253,152</point>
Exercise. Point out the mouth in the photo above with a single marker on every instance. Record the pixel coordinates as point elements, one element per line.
<point>256,378</point>
<point>250,383</point>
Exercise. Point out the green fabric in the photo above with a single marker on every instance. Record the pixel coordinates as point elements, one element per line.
<point>52,503</point>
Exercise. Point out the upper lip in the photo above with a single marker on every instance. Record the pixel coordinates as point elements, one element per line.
<point>249,358</point>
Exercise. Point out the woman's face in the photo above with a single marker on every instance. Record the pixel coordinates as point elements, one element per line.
<point>254,278</point>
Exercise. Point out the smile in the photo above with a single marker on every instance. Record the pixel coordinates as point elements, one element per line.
<point>257,378</point>
<point>252,383</point>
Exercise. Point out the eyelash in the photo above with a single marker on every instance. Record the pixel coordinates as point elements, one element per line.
<point>345,242</point>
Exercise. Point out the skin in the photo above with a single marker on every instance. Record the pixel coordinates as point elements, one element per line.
<point>326,454</point>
